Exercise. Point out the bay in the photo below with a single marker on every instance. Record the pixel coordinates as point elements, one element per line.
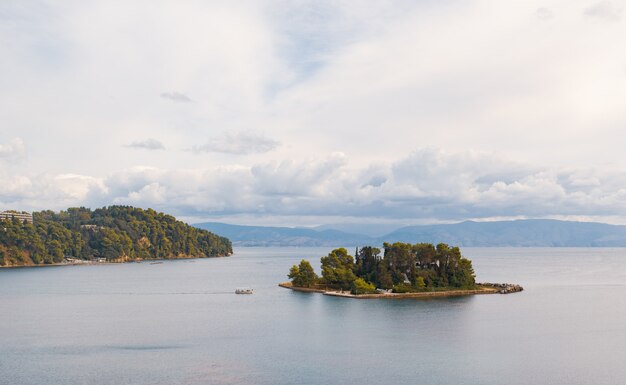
<point>180,322</point>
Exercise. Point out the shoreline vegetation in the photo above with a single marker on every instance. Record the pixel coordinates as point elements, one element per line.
<point>404,270</point>
<point>105,263</point>
<point>114,234</point>
<point>481,288</point>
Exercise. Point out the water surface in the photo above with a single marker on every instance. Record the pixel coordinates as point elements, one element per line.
<point>180,322</point>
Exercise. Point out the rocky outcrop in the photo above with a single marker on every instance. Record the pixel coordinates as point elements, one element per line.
<point>503,288</point>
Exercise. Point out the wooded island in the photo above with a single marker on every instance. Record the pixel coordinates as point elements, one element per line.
<point>402,268</point>
<point>108,234</point>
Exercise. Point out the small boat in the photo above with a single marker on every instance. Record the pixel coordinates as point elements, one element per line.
<point>244,290</point>
<point>156,263</point>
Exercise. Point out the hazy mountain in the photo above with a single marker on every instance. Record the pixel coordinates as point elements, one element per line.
<point>370,229</point>
<point>535,232</point>
<point>284,236</point>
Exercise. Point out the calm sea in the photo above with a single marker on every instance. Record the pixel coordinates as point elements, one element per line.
<point>180,322</point>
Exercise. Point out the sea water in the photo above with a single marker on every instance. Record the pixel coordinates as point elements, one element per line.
<point>180,322</point>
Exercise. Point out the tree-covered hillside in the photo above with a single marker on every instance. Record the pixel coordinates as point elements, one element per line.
<point>115,233</point>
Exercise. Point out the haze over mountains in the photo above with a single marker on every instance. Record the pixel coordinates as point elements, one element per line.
<point>284,236</point>
<point>524,233</point>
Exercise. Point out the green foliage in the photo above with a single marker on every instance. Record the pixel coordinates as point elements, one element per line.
<point>424,265</point>
<point>116,233</point>
<point>384,281</point>
<point>404,288</point>
<point>367,260</point>
<point>360,286</point>
<point>303,275</point>
<point>403,268</point>
<point>463,275</point>
<point>337,269</point>
<point>294,273</point>
<point>400,261</point>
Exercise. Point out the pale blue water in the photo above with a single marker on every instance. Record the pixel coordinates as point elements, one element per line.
<point>180,323</point>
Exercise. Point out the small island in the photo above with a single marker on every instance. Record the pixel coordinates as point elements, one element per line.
<point>402,270</point>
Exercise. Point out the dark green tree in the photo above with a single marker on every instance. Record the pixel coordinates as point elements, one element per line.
<point>303,275</point>
<point>337,269</point>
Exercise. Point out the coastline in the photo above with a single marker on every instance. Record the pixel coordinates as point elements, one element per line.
<point>92,263</point>
<point>484,289</point>
<point>58,265</point>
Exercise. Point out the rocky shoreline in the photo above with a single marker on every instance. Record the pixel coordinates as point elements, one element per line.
<point>482,288</point>
<point>503,288</point>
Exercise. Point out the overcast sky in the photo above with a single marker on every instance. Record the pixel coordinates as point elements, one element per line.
<point>311,112</point>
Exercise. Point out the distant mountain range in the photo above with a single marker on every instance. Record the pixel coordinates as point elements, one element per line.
<point>284,236</point>
<point>524,233</point>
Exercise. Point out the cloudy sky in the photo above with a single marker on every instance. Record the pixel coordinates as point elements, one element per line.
<point>311,112</point>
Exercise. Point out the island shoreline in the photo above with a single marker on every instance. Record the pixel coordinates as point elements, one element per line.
<point>428,294</point>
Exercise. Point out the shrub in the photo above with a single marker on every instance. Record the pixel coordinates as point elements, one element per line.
<point>406,288</point>
<point>360,286</point>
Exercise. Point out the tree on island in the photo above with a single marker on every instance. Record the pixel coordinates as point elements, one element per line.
<point>403,267</point>
<point>303,275</point>
<point>338,269</point>
<point>366,261</point>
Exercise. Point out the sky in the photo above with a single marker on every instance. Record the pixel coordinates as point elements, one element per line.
<point>300,113</point>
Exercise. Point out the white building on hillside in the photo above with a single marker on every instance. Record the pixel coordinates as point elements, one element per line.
<point>21,215</point>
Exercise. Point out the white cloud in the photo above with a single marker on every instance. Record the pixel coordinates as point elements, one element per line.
<point>48,191</point>
<point>606,10</point>
<point>147,144</point>
<point>307,178</point>
<point>14,150</point>
<point>428,183</point>
<point>14,187</point>
<point>73,188</point>
<point>544,13</point>
<point>238,142</point>
<point>176,97</point>
<point>152,194</point>
<point>463,82</point>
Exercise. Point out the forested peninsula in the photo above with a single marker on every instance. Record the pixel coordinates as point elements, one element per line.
<point>402,270</point>
<point>108,234</point>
